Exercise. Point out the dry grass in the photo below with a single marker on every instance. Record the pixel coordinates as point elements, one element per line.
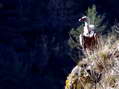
<point>104,64</point>
<point>106,61</point>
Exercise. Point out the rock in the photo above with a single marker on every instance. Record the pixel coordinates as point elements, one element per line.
<point>97,71</point>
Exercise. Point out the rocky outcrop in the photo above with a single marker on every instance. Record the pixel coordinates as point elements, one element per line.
<point>100,70</point>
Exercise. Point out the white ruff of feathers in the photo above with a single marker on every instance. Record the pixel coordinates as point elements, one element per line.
<point>88,30</point>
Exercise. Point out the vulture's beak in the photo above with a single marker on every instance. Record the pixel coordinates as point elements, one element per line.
<point>80,19</point>
<point>83,19</point>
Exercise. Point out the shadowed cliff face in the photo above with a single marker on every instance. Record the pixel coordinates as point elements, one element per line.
<point>53,13</point>
<point>31,56</point>
<point>33,42</point>
<point>59,14</point>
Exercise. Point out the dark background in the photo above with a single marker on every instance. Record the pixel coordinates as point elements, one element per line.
<point>34,51</point>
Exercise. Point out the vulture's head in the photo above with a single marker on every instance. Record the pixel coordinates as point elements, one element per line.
<point>83,19</point>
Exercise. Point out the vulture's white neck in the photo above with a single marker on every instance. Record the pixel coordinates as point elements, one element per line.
<point>87,23</point>
<point>86,28</point>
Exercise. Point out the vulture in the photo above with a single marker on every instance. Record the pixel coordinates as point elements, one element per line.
<point>88,39</point>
